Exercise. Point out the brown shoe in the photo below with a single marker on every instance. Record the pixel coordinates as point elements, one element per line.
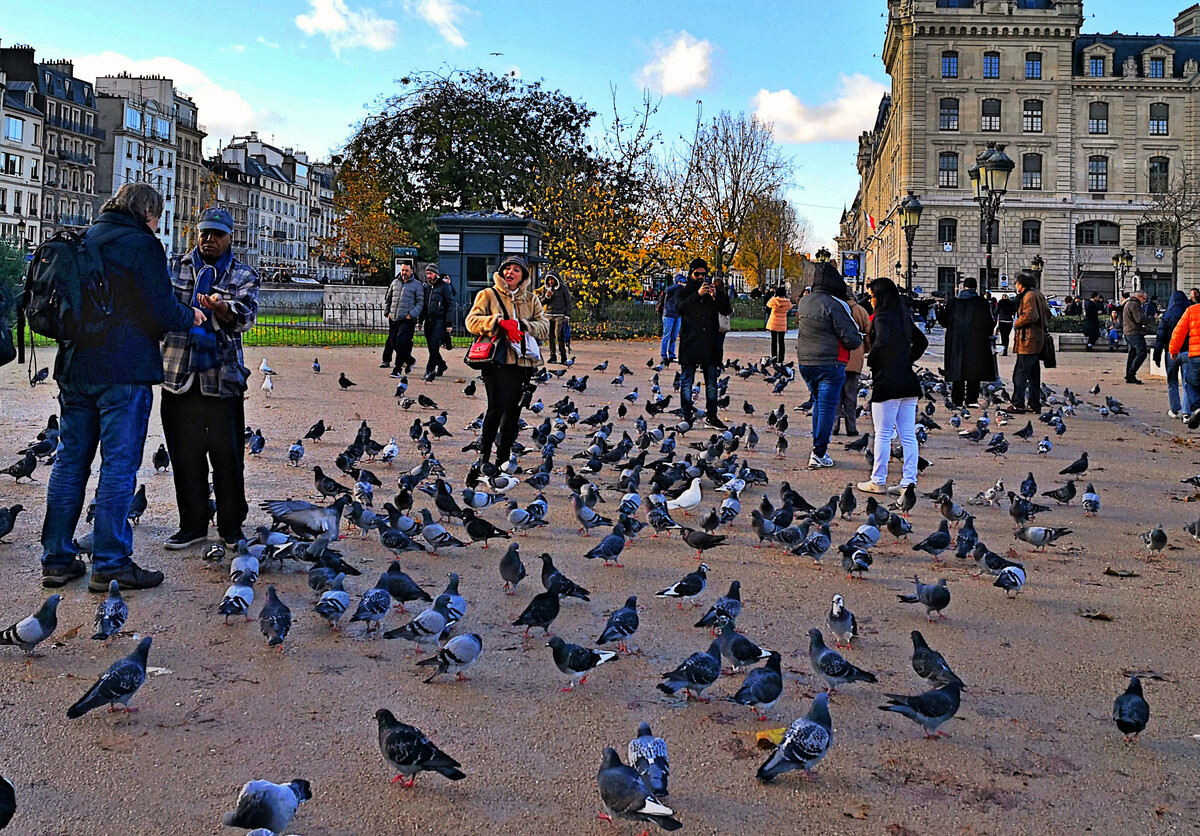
<point>131,577</point>
<point>55,576</point>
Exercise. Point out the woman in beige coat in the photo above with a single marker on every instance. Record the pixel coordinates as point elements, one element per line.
<point>848,406</point>
<point>509,306</point>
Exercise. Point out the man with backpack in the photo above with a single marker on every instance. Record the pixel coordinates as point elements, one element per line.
<point>108,360</point>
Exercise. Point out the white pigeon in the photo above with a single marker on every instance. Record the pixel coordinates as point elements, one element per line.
<point>687,500</point>
<point>265,369</point>
<point>267,385</point>
<point>389,451</point>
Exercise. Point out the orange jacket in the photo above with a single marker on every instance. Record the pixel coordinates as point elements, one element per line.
<point>777,319</point>
<point>1187,333</point>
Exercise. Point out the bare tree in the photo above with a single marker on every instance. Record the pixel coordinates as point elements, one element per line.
<point>1175,216</point>
<point>772,236</point>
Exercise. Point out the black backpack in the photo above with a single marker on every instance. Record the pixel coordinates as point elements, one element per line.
<point>66,294</point>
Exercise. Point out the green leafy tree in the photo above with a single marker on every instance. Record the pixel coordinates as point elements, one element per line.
<point>12,271</point>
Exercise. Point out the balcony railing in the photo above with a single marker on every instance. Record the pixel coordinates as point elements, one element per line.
<point>74,157</point>
<point>71,220</point>
<point>75,127</point>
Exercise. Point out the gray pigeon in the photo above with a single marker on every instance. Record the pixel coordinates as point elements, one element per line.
<point>622,624</point>
<point>697,672</point>
<point>804,745</point>
<point>1010,579</point>
<point>648,755</point>
<point>626,796</point>
<point>928,663</point>
<point>275,620</point>
<point>458,654</point>
<point>831,665</point>
<point>512,570</point>
<point>1131,712</point>
<point>334,601</point>
<point>727,608</point>
<point>268,805</point>
<point>937,542</point>
<point>374,605</point>
<point>688,588</point>
<point>411,752</point>
<point>738,649</point>
<point>575,661</point>
<point>307,519</point>
<point>935,597</point>
<point>237,601</point>
<point>761,687</point>
<point>425,628</point>
<point>118,684</point>
<point>1155,540</point>
<point>842,623</point>
<point>29,632</point>
<point>111,613</point>
<point>930,709</point>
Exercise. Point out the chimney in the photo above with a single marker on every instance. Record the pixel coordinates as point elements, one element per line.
<point>1187,22</point>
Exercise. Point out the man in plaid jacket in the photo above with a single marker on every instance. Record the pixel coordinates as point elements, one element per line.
<point>205,383</point>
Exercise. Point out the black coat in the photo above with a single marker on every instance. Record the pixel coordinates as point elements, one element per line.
<point>896,343</point>
<point>701,342</point>
<point>968,322</point>
<point>439,303</point>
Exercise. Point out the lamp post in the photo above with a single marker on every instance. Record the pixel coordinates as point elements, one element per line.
<point>989,183</point>
<point>823,255</point>
<point>1121,262</point>
<point>1036,266</point>
<point>910,218</point>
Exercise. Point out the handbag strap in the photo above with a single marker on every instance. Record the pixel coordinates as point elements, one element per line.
<point>500,301</point>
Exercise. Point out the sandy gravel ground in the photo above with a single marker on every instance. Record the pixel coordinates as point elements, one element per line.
<point>1033,749</point>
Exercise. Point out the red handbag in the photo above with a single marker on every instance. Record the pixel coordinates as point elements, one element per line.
<point>489,350</point>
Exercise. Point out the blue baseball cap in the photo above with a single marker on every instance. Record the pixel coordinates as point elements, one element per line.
<point>218,219</point>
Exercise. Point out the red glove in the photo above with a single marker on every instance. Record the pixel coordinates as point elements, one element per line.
<point>512,329</point>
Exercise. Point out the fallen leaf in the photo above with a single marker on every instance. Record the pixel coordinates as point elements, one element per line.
<point>770,738</point>
<point>72,633</point>
<point>1093,614</point>
<point>856,811</point>
<point>1121,573</point>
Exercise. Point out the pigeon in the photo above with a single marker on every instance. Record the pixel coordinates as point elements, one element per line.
<point>344,381</point>
<point>928,663</point>
<point>29,632</point>
<point>555,581</point>
<point>907,500</point>
<point>244,568</point>
<point>540,612</point>
<point>111,613</point>
<point>327,486</point>
<point>686,589</point>
<point>1091,501</point>
<point>116,685</point>
<point>648,755</point>
<point>458,654</point>
<point>702,541</point>
<point>8,518</point>
<point>1077,467</point>
<point>237,601</point>
<point>316,431</point>
<point>408,749</point>
<point>804,745</point>
<point>1131,712</point>
<point>899,527</point>
<point>688,499</point>
<point>1029,487</point>
<point>161,459</point>
<point>334,601</point>
<point>622,624</point>
<point>512,570</point>
<point>575,661</point>
<point>316,366</point>
<point>23,469</point>
<point>929,710</point>
<point>627,796</point>
<point>138,506</point>
<point>275,619</point>
<point>816,544</point>
<point>1010,579</point>
<point>739,650</point>
<point>374,604</point>
<point>267,805</point>
<point>306,519</point>
<point>8,802</point>
<point>481,530</point>
<point>842,623</point>
<point>695,674</point>
<point>609,549</point>
<point>1063,495</point>
<point>937,542</point>
<point>935,597</point>
<point>401,588</point>
<point>436,535</point>
<point>426,627</point>
<point>761,687</point>
<point>727,608</point>
<point>1040,536</point>
<point>831,665</point>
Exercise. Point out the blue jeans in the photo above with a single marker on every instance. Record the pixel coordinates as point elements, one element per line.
<point>1137,354</point>
<point>113,417</point>
<point>825,386</point>
<point>670,334</point>
<point>1191,381</point>
<point>1172,365</point>
<point>687,378</point>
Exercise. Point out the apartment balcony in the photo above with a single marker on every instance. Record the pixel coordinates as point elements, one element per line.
<point>75,127</point>
<point>71,220</point>
<point>74,157</point>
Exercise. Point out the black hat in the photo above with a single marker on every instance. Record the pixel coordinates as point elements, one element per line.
<point>697,264</point>
<point>518,260</point>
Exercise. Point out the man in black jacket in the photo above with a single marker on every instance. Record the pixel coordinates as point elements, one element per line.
<point>438,314</point>
<point>700,303</point>
<point>105,397</point>
<point>969,358</point>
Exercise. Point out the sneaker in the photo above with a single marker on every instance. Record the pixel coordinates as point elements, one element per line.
<point>408,368</point>
<point>1013,409</point>
<point>1173,414</point>
<point>232,538</point>
<point>1194,421</point>
<point>396,374</point>
<point>872,487</point>
<point>56,576</point>
<point>815,461</point>
<point>384,365</point>
<point>896,490</point>
<point>182,539</point>
<point>1133,380</point>
<point>429,377</point>
<point>716,423</point>
<point>131,577</point>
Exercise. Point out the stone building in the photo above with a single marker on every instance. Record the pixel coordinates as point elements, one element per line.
<point>21,132</point>
<point>1096,125</point>
<point>194,190</point>
<point>280,235</point>
<point>239,191</point>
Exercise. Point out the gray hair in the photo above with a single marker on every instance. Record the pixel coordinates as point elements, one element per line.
<point>138,199</point>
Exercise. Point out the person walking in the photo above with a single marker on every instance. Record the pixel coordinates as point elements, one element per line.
<point>1006,311</point>
<point>700,302</point>
<point>1176,305</point>
<point>437,314</point>
<point>896,343</point>
<point>968,359</point>
<point>205,383</point>
<point>826,334</point>
<point>404,300</point>
<point>847,411</point>
<point>1091,320</point>
<point>105,396</point>
<point>1030,332</point>
<point>1185,332</point>
<point>556,296</point>
<point>670,319</point>
<point>389,301</point>
<point>1137,324</point>
<point>510,307</point>
<point>778,307</point>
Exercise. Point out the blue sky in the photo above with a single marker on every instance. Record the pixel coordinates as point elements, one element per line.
<point>303,71</point>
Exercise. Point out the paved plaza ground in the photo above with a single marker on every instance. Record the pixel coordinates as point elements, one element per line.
<point>1033,751</point>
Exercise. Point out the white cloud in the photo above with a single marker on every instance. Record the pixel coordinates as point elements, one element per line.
<point>224,112</point>
<point>843,118</point>
<point>270,44</point>
<point>236,49</point>
<point>442,15</point>
<point>347,28</point>
<point>679,66</point>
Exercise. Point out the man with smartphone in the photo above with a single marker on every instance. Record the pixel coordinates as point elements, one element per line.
<point>699,303</point>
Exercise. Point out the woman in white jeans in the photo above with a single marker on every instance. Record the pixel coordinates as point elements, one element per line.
<point>896,343</point>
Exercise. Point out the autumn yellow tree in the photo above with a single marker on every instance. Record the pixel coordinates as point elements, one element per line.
<point>773,235</point>
<point>365,232</point>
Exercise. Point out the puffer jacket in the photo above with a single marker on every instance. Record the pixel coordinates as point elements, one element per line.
<point>521,304</point>
<point>777,318</point>
<point>826,333</point>
<point>557,298</point>
<point>1031,324</point>
<point>405,299</point>
<point>1187,332</point>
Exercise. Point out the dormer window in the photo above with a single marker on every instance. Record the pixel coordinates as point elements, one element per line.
<point>1156,68</point>
<point>1096,66</point>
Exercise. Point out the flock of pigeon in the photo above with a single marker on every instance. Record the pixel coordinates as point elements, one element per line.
<point>634,471</point>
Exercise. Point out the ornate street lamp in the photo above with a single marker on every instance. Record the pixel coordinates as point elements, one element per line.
<point>1037,265</point>
<point>823,255</point>
<point>1121,263</point>
<point>910,218</point>
<point>989,183</point>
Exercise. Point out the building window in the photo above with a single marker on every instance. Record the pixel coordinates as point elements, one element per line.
<point>1098,118</point>
<point>1031,116</point>
<point>1031,233</point>
<point>1033,65</point>
<point>1157,68</point>
<point>14,129</point>
<point>991,65</point>
<point>1031,171</point>
<point>133,119</point>
<point>948,170</point>
<point>1159,119</point>
<point>1097,174</point>
<point>947,231</point>
<point>1160,174</point>
<point>983,232</point>
<point>1097,233</point>
<point>990,115</point>
<point>1153,235</point>
<point>949,65</point>
<point>948,115</point>
<point>1096,66</point>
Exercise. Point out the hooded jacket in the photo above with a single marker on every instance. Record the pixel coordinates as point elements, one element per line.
<point>701,342</point>
<point>826,332</point>
<point>558,297</point>
<point>669,311</point>
<point>521,304</point>
<point>1134,316</point>
<point>778,306</point>
<point>854,365</point>
<point>1176,305</point>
